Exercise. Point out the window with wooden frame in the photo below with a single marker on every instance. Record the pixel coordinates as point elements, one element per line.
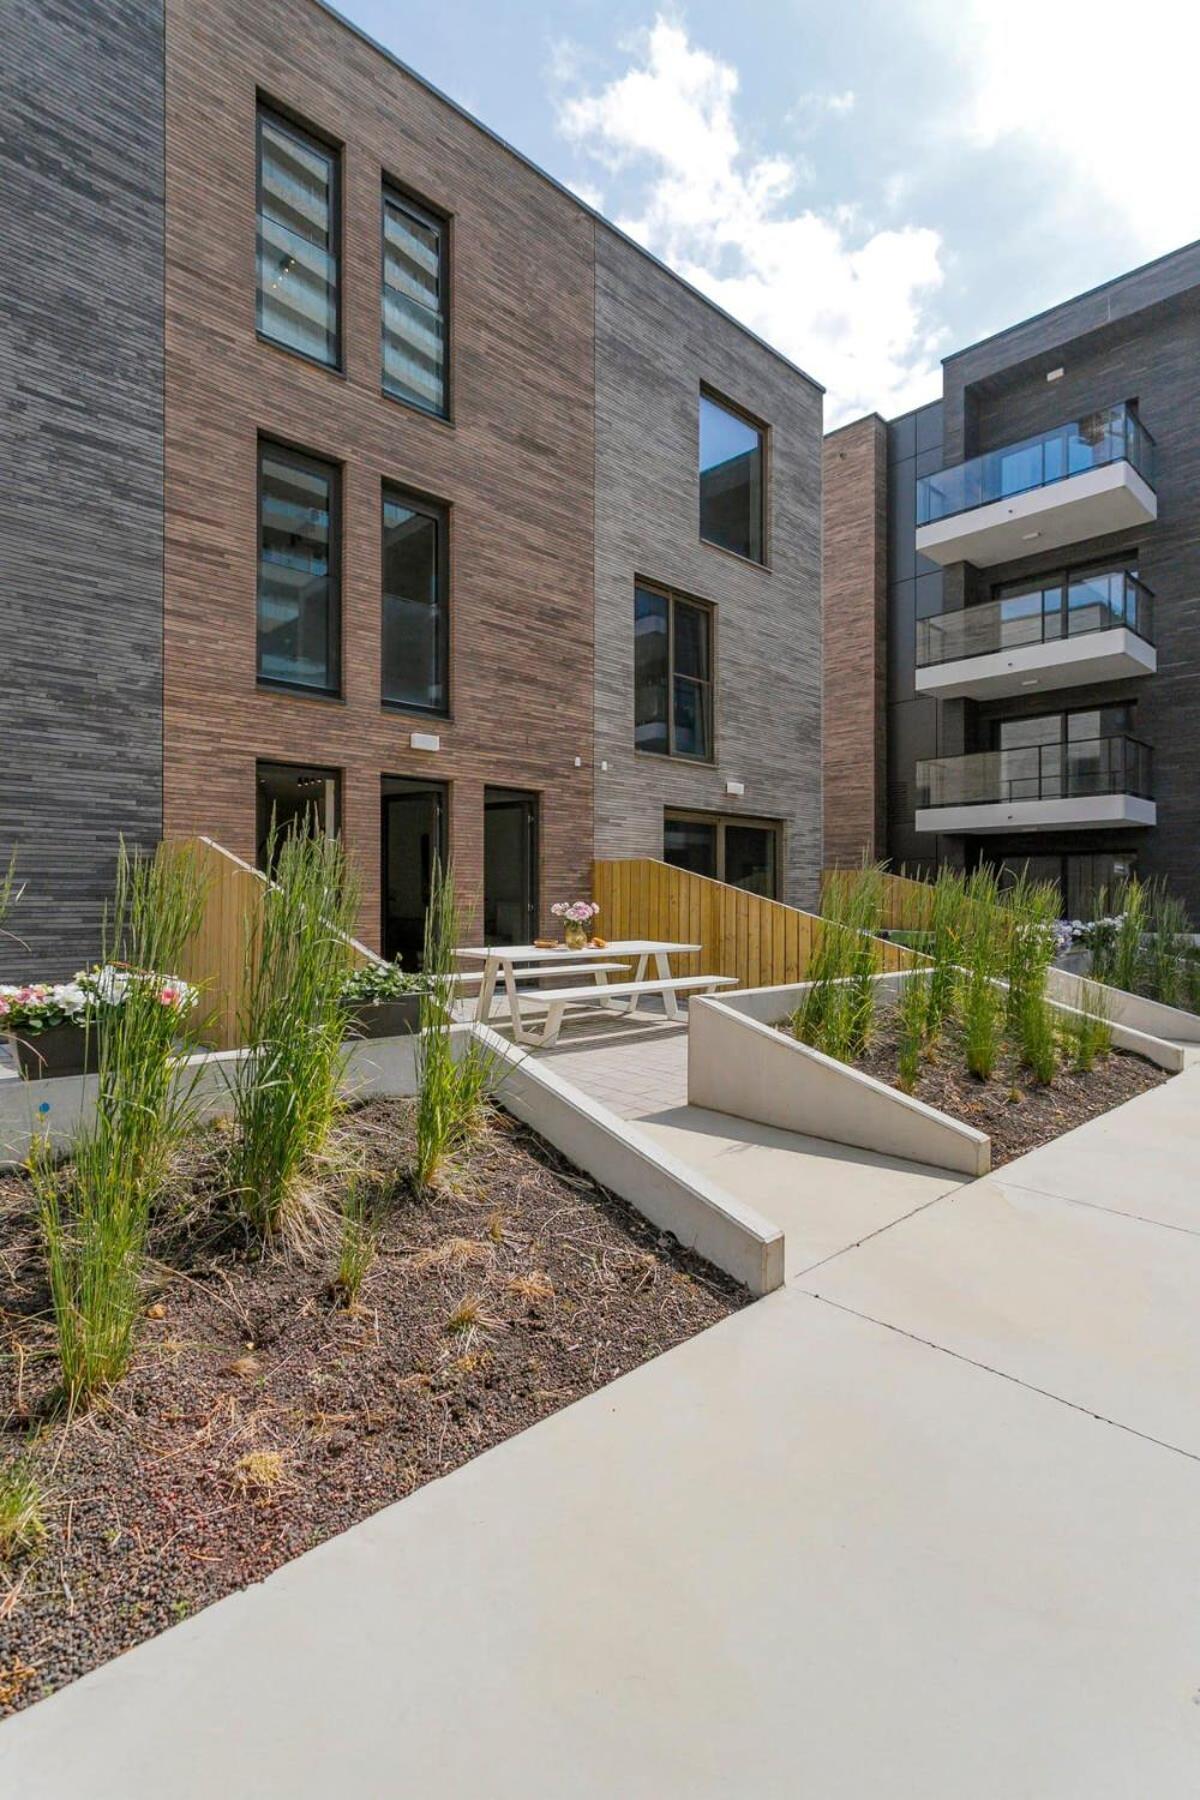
<point>672,674</point>
<point>743,852</point>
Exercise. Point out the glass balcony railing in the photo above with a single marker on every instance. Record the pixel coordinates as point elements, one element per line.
<point>1040,615</point>
<point>1115,434</point>
<point>1078,770</point>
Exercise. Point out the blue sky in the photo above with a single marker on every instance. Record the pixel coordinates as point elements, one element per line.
<point>868,185</point>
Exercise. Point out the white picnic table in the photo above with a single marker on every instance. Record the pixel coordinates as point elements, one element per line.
<point>516,963</point>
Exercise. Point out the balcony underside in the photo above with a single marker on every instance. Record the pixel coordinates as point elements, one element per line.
<point>1081,812</point>
<point>1057,663</point>
<point>1092,504</point>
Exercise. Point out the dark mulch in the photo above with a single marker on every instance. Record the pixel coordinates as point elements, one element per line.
<point>154,1510</point>
<point>1017,1112</point>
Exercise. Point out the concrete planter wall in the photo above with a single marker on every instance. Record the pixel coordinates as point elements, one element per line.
<point>1149,1017</point>
<point>740,1063</point>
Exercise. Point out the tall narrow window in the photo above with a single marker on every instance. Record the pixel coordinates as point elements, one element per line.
<point>414,304</point>
<point>416,628</point>
<point>297,240</point>
<point>731,480</point>
<point>672,671</point>
<point>298,602</point>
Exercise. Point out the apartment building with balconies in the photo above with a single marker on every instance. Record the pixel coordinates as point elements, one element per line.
<point>1028,611</point>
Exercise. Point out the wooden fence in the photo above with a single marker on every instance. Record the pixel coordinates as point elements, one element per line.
<point>907,904</point>
<point>216,959</point>
<point>762,943</point>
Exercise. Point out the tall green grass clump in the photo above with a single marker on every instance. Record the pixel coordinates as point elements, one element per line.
<point>837,1016</point>
<point>981,1000</point>
<point>1165,946</point>
<point>359,1239</point>
<point>22,1507</point>
<point>286,1089</point>
<point>1089,1032</point>
<point>453,1089</point>
<point>95,1211</point>
<point>912,1019</point>
<point>947,919</point>
<point>1033,909</point>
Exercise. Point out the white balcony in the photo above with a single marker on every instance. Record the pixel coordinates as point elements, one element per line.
<point>1067,634</point>
<point>1079,481</point>
<point>1097,784</point>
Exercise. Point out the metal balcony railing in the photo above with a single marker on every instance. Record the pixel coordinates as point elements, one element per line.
<point>1062,771</point>
<point>1115,434</point>
<point>1042,615</point>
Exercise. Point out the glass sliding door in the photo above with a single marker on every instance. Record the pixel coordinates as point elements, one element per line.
<point>742,852</point>
<point>510,866</point>
<point>414,835</point>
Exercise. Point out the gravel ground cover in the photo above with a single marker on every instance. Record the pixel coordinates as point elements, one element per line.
<point>261,1415</point>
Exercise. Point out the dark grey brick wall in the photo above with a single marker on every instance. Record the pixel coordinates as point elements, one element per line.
<point>81,459</point>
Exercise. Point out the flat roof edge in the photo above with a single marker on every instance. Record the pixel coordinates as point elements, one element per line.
<point>1063,306</point>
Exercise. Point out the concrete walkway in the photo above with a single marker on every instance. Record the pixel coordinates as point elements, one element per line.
<point>824,1196</point>
<point>921,1524</point>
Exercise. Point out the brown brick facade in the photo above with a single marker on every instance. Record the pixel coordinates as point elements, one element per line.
<point>515,467</point>
<point>854,589</point>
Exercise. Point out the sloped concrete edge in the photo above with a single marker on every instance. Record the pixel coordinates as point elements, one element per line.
<point>739,1063</point>
<point>704,1218</point>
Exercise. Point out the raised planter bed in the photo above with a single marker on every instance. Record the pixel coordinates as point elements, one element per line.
<point>743,1059</point>
<point>260,1417</point>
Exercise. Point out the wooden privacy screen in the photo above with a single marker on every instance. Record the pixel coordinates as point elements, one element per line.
<point>762,943</point>
<point>216,957</point>
<point>907,904</point>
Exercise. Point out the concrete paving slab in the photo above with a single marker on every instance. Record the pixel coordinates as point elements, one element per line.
<point>800,1555</point>
<point>824,1196</point>
<point>1142,1158</point>
<point>1087,1304</point>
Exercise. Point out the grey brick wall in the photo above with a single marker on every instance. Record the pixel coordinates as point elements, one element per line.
<point>81,459</point>
<point>656,343</point>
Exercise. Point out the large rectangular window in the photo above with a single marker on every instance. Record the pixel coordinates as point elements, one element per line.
<point>298,599</point>
<point>731,480</point>
<point>416,629</point>
<point>742,852</point>
<point>297,240</point>
<point>672,656</point>
<point>414,305</point>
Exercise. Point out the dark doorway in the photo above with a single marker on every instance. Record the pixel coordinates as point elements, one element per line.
<point>510,861</point>
<point>414,832</point>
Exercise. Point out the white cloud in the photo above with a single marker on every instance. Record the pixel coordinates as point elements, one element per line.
<point>846,302</point>
<point>1102,95</point>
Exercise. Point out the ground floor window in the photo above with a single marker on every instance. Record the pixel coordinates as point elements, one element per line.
<point>293,797</point>
<point>1084,879</point>
<point>743,852</point>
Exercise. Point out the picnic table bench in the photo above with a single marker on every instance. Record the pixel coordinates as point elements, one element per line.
<point>520,963</point>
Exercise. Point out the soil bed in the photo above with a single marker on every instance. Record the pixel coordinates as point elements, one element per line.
<point>1017,1112</point>
<point>260,1418</point>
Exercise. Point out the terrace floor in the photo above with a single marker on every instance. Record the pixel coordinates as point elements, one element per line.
<point>922,1523</point>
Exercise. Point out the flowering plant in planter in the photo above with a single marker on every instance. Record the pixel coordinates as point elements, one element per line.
<point>40,1005</point>
<point>384,981</point>
<point>577,916</point>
